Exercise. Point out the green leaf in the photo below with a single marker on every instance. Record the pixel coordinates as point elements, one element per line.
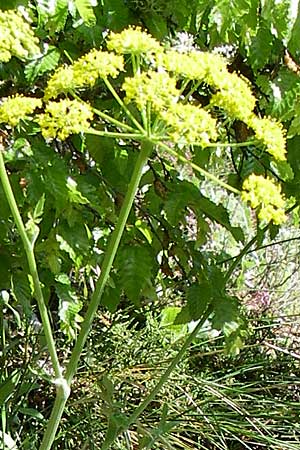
<point>53,15</point>
<point>225,311</point>
<point>31,412</point>
<point>116,14</point>
<point>75,196</point>
<point>293,44</point>
<point>261,47</point>
<point>86,12</point>
<point>167,320</point>
<point>111,296</point>
<point>283,170</point>
<point>219,214</point>
<point>69,307</point>
<point>20,289</point>
<point>107,389</point>
<point>198,297</point>
<point>7,388</point>
<point>294,128</point>
<point>43,64</point>
<point>39,208</point>
<point>64,246</point>
<point>134,267</point>
<point>156,25</point>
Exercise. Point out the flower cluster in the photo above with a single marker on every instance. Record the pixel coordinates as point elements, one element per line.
<point>17,38</point>
<point>234,95</point>
<point>13,109</point>
<point>84,72</point>
<point>196,65</point>
<point>155,88</point>
<point>63,118</point>
<point>190,123</point>
<point>271,134</point>
<point>133,41</point>
<point>264,193</point>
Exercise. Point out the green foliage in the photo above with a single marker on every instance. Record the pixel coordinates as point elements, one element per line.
<point>70,192</point>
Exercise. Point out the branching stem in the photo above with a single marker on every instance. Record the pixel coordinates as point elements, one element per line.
<point>29,250</point>
<point>61,398</point>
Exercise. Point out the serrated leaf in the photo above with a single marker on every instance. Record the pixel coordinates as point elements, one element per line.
<point>64,246</point>
<point>294,128</point>
<point>111,298</point>
<point>225,311</point>
<point>261,47</point>
<point>134,267</point>
<point>53,15</point>
<point>75,196</point>
<point>167,320</point>
<point>86,12</point>
<point>43,64</point>
<point>220,215</point>
<point>293,44</point>
<point>156,25</point>
<point>282,169</point>
<point>20,289</point>
<point>116,14</point>
<point>277,16</point>
<point>69,307</point>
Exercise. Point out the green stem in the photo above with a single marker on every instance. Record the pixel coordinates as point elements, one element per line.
<point>122,104</point>
<point>28,247</point>
<point>232,144</point>
<point>163,379</point>
<point>199,169</point>
<point>239,257</point>
<point>136,136</point>
<point>60,401</point>
<point>112,120</point>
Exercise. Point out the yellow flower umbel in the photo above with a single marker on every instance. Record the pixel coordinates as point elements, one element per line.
<point>271,134</point>
<point>84,72</point>
<point>17,38</point>
<point>133,41</point>
<point>155,88</point>
<point>63,118</point>
<point>13,109</point>
<point>264,194</point>
<point>234,96</point>
<point>190,124</point>
<point>196,65</point>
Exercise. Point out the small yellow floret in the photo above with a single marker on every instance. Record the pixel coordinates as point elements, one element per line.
<point>63,118</point>
<point>133,40</point>
<point>84,72</point>
<point>17,38</point>
<point>97,64</point>
<point>156,88</point>
<point>264,194</point>
<point>13,109</point>
<point>235,96</point>
<point>190,124</point>
<point>271,133</point>
<point>61,82</point>
<point>195,65</point>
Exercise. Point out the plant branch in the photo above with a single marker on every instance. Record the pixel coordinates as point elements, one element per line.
<point>199,169</point>
<point>29,250</point>
<point>60,401</point>
<point>163,379</point>
<point>136,136</point>
<point>121,103</point>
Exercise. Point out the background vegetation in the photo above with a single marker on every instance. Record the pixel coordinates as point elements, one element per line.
<point>238,385</point>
